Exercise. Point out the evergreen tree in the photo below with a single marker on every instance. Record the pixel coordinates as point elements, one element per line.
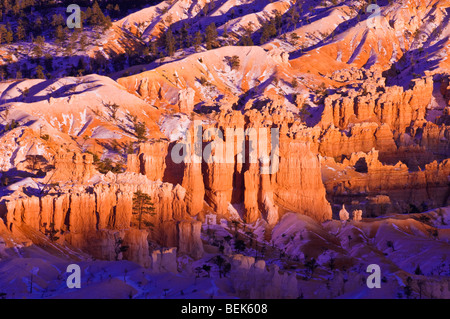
<point>140,129</point>
<point>294,16</point>
<point>246,41</point>
<point>153,49</point>
<point>198,40</point>
<point>3,32</point>
<point>210,36</point>
<point>38,24</point>
<point>268,31</point>
<point>20,32</point>
<point>225,31</point>
<point>40,72</point>
<point>97,16</point>
<point>142,205</point>
<point>38,46</point>
<point>9,36</point>
<point>59,34</point>
<point>170,43</point>
<point>57,20</point>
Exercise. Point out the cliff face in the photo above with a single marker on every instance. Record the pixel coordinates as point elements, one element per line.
<point>363,176</point>
<point>291,180</point>
<point>298,184</point>
<point>72,167</point>
<point>149,161</point>
<point>252,279</point>
<point>93,218</point>
<point>389,105</point>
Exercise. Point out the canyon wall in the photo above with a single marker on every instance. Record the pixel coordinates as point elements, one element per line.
<point>385,104</point>
<point>250,171</point>
<point>387,188</point>
<point>93,218</point>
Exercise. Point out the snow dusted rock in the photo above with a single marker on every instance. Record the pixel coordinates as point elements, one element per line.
<point>357,215</point>
<point>165,260</point>
<point>279,55</point>
<point>345,75</point>
<point>343,214</point>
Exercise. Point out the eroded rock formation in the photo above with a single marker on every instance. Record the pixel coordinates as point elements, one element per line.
<point>252,279</point>
<point>364,175</point>
<point>390,105</point>
<point>93,218</point>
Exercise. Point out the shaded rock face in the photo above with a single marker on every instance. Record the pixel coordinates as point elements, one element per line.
<point>95,218</point>
<point>164,260</point>
<point>2,247</point>
<point>252,279</point>
<point>427,187</point>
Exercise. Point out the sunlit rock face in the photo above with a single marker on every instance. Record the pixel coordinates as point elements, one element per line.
<point>299,142</point>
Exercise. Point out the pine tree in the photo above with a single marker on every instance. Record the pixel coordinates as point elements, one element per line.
<point>264,35</point>
<point>3,32</point>
<point>153,48</point>
<point>246,41</point>
<point>142,205</point>
<point>83,41</point>
<point>140,129</point>
<point>38,44</point>
<point>107,23</point>
<point>59,34</point>
<point>87,15</point>
<point>9,36</point>
<point>210,36</point>
<point>38,24</point>
<point>40,72</point>
<point>20,32</point>
<point>57,20</point>
<point>198,40</point>
<point>170,43</point>
<point>294,16</point>
<point>225,31</point>
<point>234,62</point>
<point>97,16</point>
